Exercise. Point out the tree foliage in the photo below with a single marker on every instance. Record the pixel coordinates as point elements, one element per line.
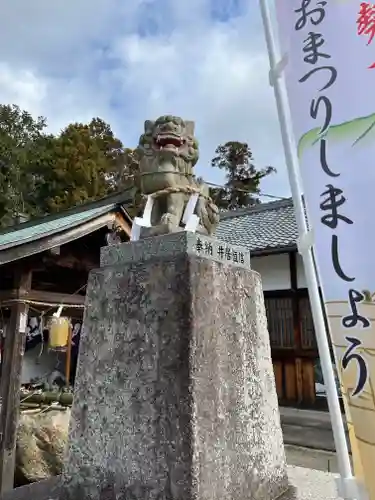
<point>242,177</point>
<point>21,137</point>
<point>42,173</point>
<point>128,169</point>
<point>81,165</point>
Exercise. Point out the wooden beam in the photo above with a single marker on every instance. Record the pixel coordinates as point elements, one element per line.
<point>10,381</point>
<point>123,223</point>
<point>55,250</point>
<point>55,298</point>
<point>69,262</point>
<point>8,296</point>
<point>282,354</point>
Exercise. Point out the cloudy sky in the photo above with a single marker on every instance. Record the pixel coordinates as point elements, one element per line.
<point>131,60</point>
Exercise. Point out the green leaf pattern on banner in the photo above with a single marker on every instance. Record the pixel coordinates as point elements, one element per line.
<point>356,131</point>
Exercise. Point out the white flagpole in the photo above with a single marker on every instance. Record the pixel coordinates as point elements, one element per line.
<point>348,485</point>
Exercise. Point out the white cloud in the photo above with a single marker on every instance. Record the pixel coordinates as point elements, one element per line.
<point>22,87</point>
<point>128,63</point>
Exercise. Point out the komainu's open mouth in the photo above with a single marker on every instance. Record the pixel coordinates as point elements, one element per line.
<point>166,141</point>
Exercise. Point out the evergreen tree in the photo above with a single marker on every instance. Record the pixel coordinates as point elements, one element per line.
<point>126,173</point>
<point>21,138</point>
<point>242,177</point>
<point>42,173</point>
<point>87,163</point>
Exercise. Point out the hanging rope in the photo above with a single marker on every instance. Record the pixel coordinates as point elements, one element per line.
<point>51,305</point>
<point>185,190</point>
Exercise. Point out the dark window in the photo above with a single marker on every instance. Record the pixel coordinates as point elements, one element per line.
<point>308,339</point>
<point>280,321</point>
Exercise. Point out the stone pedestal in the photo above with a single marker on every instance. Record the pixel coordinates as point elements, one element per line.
<point>175,395</point>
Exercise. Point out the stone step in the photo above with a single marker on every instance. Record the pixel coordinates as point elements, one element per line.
<point>325,461</point>
<point>307,428</point>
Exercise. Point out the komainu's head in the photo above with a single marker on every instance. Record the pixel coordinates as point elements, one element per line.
<point>171,139</point>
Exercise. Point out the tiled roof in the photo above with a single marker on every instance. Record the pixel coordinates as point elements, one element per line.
<point>44,229</point>
<point>268,226</point>
<point>57,223</point>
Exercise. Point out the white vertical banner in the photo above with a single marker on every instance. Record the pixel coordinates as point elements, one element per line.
<point>330,80</point>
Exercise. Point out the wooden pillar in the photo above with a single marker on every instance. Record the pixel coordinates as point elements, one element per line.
<point>296,310</point>
<point>11,379</point>
<point>296,324</point>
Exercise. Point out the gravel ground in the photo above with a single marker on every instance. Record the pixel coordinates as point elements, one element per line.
<point>311,484</point>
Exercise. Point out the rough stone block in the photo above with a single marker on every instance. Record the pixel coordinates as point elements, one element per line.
<point>175,395</point>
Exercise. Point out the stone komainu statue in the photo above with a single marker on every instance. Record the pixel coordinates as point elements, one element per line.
<point>168,152</point>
